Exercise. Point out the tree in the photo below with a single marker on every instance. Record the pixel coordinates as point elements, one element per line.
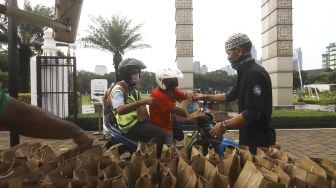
<point>218,80</point>
<point>147,82</point>
<point>30,41</point>
<point>116,35</point>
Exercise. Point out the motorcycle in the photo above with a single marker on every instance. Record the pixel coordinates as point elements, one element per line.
<point>202,137</point>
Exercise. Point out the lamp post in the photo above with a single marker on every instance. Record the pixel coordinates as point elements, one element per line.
<point>13,65</point>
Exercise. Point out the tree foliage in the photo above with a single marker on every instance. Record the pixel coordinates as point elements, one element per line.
<point>116,35</point>
<point>218,80</point>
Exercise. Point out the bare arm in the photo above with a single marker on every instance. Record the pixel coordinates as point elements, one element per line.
<point>233,123</point>
<point>179,111</point>
<point>126,108</point>
<point>214,98</point>
<point>31,121</point>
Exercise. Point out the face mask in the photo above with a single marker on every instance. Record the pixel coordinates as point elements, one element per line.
<point>171,83</point>
<point>135,78</point>
<point>237,61</point>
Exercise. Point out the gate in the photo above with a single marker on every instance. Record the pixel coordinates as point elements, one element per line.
<point>56,85</point>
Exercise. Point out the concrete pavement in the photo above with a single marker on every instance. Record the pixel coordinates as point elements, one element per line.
<point>298,142</point>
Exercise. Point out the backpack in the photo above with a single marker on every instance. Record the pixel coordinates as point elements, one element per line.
<point>108,112</point>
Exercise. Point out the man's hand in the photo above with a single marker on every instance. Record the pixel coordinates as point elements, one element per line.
<point>83,142</point>
<point>217,131</point>
<point>197,96</point>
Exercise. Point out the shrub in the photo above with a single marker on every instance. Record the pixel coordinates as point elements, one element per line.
<point>24,97</point>
<point>88,122</point>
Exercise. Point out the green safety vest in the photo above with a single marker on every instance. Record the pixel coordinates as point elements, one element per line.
<point>125,121</point>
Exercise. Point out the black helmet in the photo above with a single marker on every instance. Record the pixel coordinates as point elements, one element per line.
<point>127,64</point>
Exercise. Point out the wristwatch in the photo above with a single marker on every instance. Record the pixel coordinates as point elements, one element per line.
<point>224,126</point>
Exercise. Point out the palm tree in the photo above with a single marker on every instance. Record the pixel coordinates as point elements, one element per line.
<point>115,35</point>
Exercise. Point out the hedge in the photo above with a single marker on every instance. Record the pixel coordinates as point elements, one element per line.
<point>89,122</point>
<point>24,97</point>
<point>297,116</point>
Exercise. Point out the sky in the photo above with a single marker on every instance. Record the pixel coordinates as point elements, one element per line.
<point>214,22</point>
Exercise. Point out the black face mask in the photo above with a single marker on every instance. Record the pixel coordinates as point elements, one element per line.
<point>170,83</point>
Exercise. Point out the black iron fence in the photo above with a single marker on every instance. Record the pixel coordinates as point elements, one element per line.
<point>56,85</point>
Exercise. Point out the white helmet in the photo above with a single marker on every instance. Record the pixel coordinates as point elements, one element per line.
<point>169,72</point>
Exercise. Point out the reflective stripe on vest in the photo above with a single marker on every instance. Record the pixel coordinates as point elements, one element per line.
<point>125,121</point>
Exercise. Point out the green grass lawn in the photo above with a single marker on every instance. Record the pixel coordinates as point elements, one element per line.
<point>303,116</point>
<point>86,100</point>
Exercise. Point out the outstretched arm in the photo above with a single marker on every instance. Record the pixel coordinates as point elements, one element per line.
<point>31,121</point>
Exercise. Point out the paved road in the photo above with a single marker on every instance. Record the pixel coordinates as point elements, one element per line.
<point>298,142</point>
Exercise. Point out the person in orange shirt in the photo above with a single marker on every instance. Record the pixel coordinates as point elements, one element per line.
<point>166,95</point>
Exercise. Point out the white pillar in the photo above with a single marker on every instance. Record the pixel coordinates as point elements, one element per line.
<point>53,79</point>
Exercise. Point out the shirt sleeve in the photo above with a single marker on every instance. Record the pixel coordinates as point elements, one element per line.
<point>255,92</point>
<point>232,94</point>
<point>3,102</point>
<point>117,99</point>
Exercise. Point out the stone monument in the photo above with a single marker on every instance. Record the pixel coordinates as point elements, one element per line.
<point>277,49</point>
<point>184,42</point>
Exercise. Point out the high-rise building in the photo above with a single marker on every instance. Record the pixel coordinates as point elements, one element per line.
<point>204,69</point>
<point>197,67</point>
<point>297,59</point>
<point>329,58</point>
<point>325,62</point>
<point>100,69</point>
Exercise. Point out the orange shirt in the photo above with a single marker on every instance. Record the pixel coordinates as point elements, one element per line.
<point>160,110</point>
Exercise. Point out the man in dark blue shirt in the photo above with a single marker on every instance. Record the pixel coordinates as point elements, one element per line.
<point>253,91</point>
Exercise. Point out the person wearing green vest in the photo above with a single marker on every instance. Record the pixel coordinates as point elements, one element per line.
<point>34,122</point>
<point>126,99</point>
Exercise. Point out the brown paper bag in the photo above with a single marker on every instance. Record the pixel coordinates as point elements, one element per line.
<point>250,176</point>
<point>167,179</point>
<point>182,152</point>
<point>19,166</point>
<point>153,167</point>
<point>213,157</point>
<point>146,150</point>
<point>196,151</point>
<point>186,177</point>
<point>244,155</point>
<point>230,167</point>
<point>168,153</point>
<point>218,180</point>
<point>269,175</point>
<point>44,154</point>
<point>203,167</point>
<point>114,176</point>
<point>283,176</point>
<point>136,169</point>
<point>113,154</point>
<point>30,180</point>
<point>20,150</point>
<point>310,166</point>
<point>142,113</point>
<point>191,108</point>
<point>60,177</point>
